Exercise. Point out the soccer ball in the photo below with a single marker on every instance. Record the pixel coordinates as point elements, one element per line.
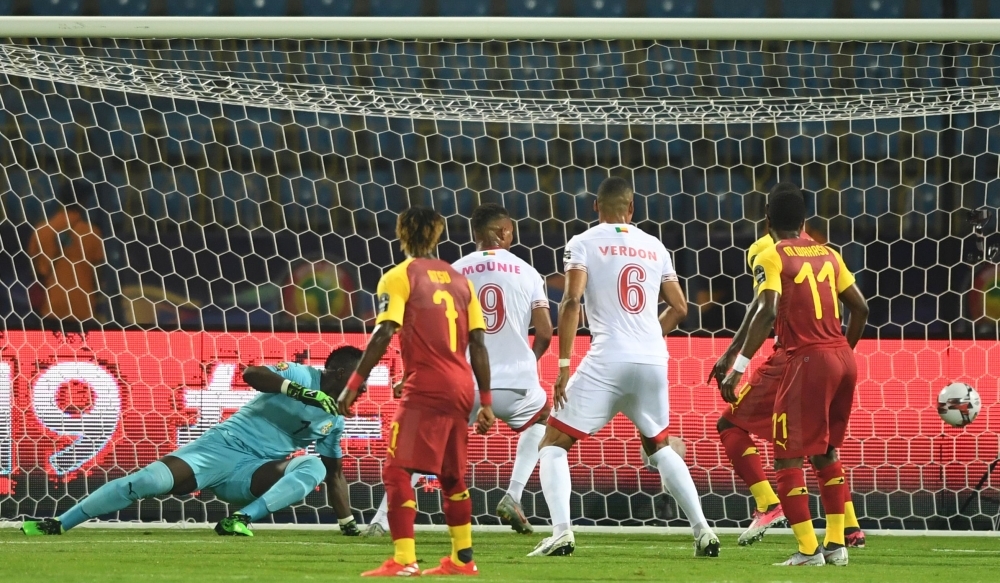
<point>958,404</point>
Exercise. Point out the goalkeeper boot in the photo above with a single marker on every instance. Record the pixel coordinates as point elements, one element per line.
<point>510,512</point>
<point>391,568</point>
<point>234,525</point>
<point>43,527</point>
<point>854,538</point>
<point>706,545</point>
<point>800,560</point>
<point>374,529</point>
<point>771,518</point>
<point>448,567</point>
<point>835,556</point>
<point>555,546</point>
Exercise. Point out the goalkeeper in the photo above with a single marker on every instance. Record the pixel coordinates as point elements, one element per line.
<point>245,460</point>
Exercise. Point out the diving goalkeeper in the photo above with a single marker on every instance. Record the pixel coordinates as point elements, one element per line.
<point>245,459</point>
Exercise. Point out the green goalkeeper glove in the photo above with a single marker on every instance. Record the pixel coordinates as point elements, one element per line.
<point>309,397</point>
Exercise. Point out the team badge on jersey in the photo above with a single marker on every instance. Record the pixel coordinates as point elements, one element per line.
<point>758,274</point>
<point>567,255</point>
<point>383,303</point>
<point>281,366</point>
<point>326,428</point>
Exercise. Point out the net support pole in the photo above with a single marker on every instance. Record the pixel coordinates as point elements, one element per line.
<point>834,29</point>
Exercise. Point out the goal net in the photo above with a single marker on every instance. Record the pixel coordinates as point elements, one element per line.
<point>243,194</point>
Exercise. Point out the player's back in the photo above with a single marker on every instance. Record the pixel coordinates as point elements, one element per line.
<point>434,332</point>
<point>809,276</point>
<point>625,268</point>
<point>508,289</point>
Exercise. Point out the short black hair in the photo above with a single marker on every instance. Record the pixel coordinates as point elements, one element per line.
<point>346,356</point>
<point>786,207</point>
<point>485,214</point>
<point>614,194</point>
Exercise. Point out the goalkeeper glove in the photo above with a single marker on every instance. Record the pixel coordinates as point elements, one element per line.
<point>348,527</point>
<point>309,397</point>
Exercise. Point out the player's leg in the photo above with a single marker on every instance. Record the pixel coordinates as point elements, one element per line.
<point>526,413</point>
<point>854,537</point>
<point>457,504</point>
<point>379,524</point>
<point>647,404</point>
<point>169,475</point>
<point>794,496</point>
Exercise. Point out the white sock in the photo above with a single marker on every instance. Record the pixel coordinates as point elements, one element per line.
<point>553,470</point>
<point>677,480</point>
<point>381,516</point>
<point>524,462</point>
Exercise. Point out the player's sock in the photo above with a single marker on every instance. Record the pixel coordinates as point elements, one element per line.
<point>850,517</point>
<point>742,453</point>
<point>152,480</point>
<point>458,517</point>
<point>380,513</point>
<point>676,478</point>
<point>831,492</point>
<point>553,471</point>
<point>302,475</point>
<point>795,502</point>
<point>524,462</point>
<point>402,511</point>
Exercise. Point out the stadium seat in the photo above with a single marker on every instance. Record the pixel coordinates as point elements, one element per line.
<point>739,8</point>
<point>260,7</point>
<point>598,8</point>
<point>192,7</point>
<point>813,9</point>
<point>671,8</point>
<point>328,7</point>
<point>124,7</point>
<point>531,8</point>
<point>879,8</point>
<point>55,7</point>
<point>463,7</point>
<point>396,8</point>
<point>977,8</point>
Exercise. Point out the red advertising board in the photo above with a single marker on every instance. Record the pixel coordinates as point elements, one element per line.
<point>78,404</point>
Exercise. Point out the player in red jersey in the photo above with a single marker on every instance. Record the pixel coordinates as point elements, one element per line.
<point>436,312</point>
<point>751,414</point>
<point>799,286</point>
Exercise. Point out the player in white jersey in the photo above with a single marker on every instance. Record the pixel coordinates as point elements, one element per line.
<point>622,272</point>
<point>513,299</point>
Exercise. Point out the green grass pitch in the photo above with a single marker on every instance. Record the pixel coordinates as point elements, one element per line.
<point>197,555</point>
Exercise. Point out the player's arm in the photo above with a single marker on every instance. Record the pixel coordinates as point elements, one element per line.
<point>267,380</point>
<point>857,308</point>
<point>725,361</point>
<point>339,494</point>
<point>541,321</point>
<point>374,352</point>
<point>569,320</point>
<point>677,306</point>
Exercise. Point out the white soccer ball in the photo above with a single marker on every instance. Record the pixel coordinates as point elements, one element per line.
<point>958,404</point>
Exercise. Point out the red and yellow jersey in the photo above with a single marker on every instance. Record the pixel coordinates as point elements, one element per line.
<point>809,277</point>
<point>436,308</point>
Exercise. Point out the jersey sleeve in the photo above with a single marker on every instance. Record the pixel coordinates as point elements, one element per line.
<point>667,272</point>
<point>476,319</point>
<point>765,242</point>
<point>392,292</point>
<point>297,373</point>
<point>767,271</point>
<point>329,445</point>
<point>846,278</point>
<point>538,297</point>
<point>575,255</point>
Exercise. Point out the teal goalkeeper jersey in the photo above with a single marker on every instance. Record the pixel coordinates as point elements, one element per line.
<point>274,425</point>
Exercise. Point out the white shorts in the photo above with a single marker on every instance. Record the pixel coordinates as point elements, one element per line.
<point>598,391</point>
<point>518,408</point>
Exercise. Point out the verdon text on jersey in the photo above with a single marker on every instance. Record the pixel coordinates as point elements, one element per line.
<point>492,266</point>
<point>627,251</point>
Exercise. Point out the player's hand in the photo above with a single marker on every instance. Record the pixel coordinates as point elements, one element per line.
<point>350,529</point>
<point>346,401</point>
<point>311,397</point>
<point>721,367</point>
<point>397,389</point>
<point>559,389</point>
<point>728,386</point>
<point>485,419</point>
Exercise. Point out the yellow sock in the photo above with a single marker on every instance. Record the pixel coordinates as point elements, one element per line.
<point>763,495</point>
<point>806,537</point>
<point>850,518</point>
<point>406,551</point>
<point>461,539</point>
<point>834,529</point>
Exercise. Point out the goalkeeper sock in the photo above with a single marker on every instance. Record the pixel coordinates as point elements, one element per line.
<point>402,511</point>
<point>553,470</point>
<point>153,480</point>
<point>302,475</point>
<point>795,502</point>
<point>742,453</point>
<point>525,461</point>
<point>458,517</point>
<point>676,479</point>
<point>831,492</point>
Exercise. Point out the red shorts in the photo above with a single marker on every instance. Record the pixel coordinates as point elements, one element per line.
<point>814,401</point>
<point>752,411</point>
<point>425,441</point>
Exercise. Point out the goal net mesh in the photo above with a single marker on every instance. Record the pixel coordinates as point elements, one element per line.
<point>239,199</point>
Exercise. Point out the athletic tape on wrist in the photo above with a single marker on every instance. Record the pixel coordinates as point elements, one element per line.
<point>284,386</point>
<point>563,362</point>
<point>354,383</point>
<point>486,398</point>
<point>741,364</point>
